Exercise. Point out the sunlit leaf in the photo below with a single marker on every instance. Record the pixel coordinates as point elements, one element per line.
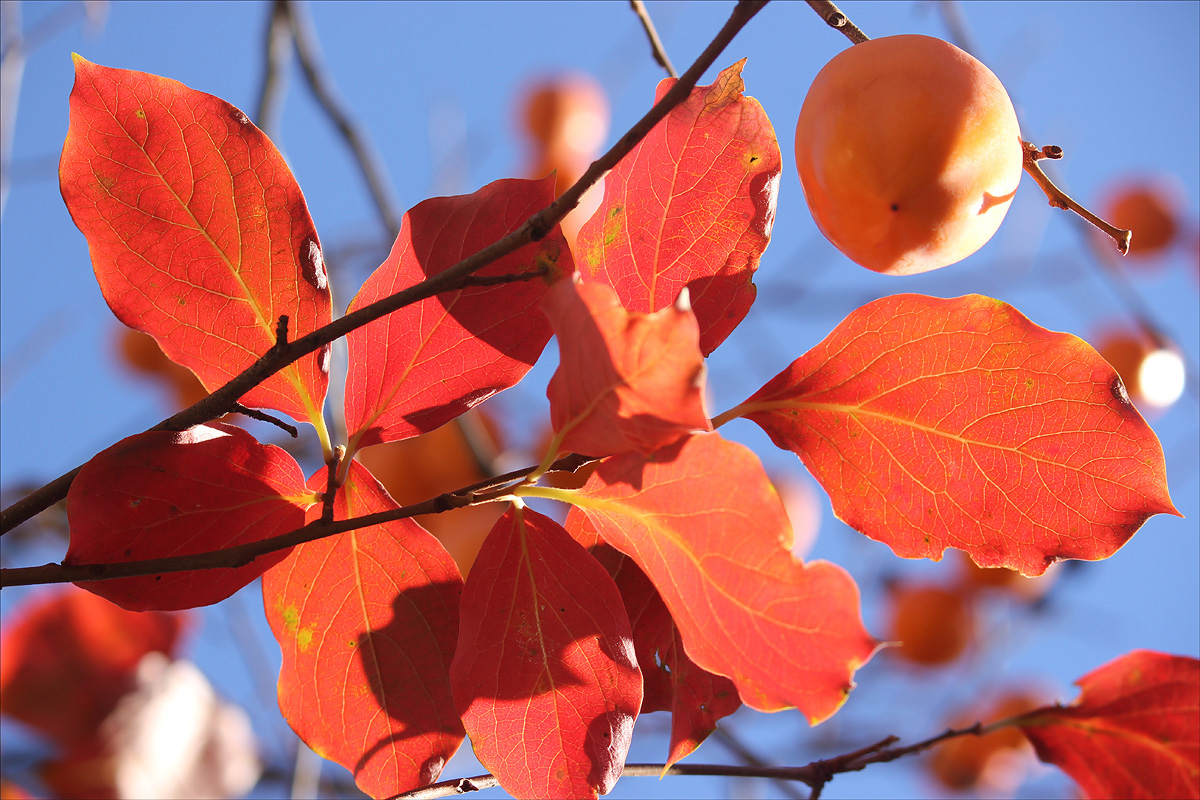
<point>429,362</point>
<point>545,673</point>
<point>625,381</point>
<point>702,520</point>
<point>691,205</point>
<point>1133,732</point>
<point>959,423</point>
<point>199,234</point>
<point>367,622</point>
<point>696,698</point>
<point>161,493</point>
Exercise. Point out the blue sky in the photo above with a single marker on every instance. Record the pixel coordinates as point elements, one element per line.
<point>1114,84</point>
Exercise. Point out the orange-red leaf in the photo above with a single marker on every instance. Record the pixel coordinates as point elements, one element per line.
<point>161,493</point>
<point>198,232</point>
<point>68,656</point>
<point>367,622</point>
<point>702,520</point>
<point>625,381</point>
<point>1133,732</point>
<point>692,205</point>
<point>429,362</point>
<point>545,674</point>
<point>959,423</point>
<point>696,698</point>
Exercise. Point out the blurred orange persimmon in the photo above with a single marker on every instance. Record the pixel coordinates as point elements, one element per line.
<point>933,624</point>
<point>1148,207</point>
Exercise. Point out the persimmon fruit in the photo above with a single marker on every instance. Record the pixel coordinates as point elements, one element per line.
<point>1147,208</point>
<point>995,762</point>
<point>1153,376</point>
<point>932,624</point>
<point>909,153</point>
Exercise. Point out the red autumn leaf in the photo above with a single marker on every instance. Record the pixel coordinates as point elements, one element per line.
<point>68,656</point>
<point>367,622</point>
<point>199,234</point>
<point>625,381</point>
<point>424,365</point>
<point>702,520</point>
<point>161,493</point>
<point>1133,732</point>
<point>959,423</point>
<point>671,681</point>
<point>545,674</point>
<point>692,205</point>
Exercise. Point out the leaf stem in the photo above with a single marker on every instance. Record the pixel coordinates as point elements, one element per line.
<point>535,228</point>
<point>1060,199</point>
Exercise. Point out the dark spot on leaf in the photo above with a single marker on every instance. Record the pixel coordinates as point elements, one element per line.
<point>1117,387</point>
<point>312,264</point>
<point>128,552</point>
<point>895,206</point>
<point>158,577</point>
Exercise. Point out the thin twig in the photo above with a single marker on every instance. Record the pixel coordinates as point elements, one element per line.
<point>656,45</point>
<point>535,228</point>
<point>1060,199</point>
<point>815,775</point>
<point>309,53</point>
<point>277,56</point>
<point>262,416</point>
<point>749,758</point>
<point>834,18</point>
<point>240,555</point>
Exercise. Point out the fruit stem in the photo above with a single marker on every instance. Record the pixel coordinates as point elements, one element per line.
<point>834,18</point>
<point>1060,199</point>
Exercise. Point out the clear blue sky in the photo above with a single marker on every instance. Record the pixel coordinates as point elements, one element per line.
<point>1114,84</point>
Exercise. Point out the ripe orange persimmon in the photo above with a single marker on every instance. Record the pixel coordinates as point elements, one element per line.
<point>933,624</point>
<point>909,153</point>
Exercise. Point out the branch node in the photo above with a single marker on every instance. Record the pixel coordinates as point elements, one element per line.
<point>281,332</point>
<point>331,485</point>
<point>837,20</point>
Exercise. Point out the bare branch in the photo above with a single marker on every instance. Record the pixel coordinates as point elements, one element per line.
<point>815,775</point>
<point>1060,199</point>
<point>536,227</point>
<point>834,18</point>
<point>484,491</point>
<point>277,54</point>
<point>656,45</point>
<point>309,53</point>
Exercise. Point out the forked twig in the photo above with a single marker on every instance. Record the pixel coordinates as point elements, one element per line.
<point>1060,199</point>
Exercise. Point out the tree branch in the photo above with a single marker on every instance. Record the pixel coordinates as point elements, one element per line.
<point>535,228</point>
<point>834,18</point>
<point>232,557</point>
<point>815,775</point>
<point>656,45</point>
<point>309,53</point>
